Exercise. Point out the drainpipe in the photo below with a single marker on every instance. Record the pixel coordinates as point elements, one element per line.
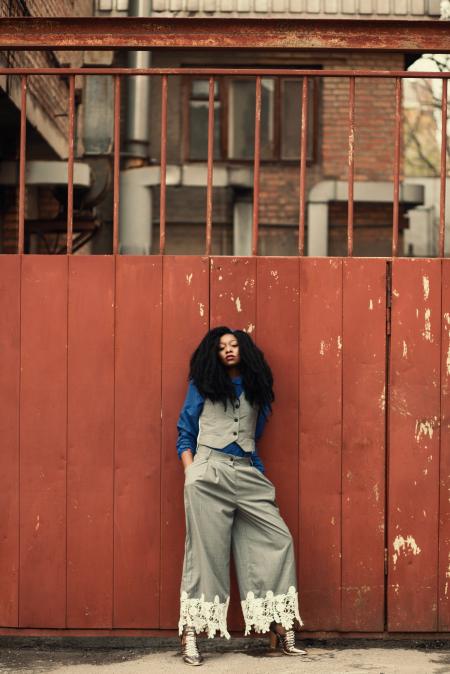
<point>135,218</point>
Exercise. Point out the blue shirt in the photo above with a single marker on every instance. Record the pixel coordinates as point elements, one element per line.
<point>188,426</point>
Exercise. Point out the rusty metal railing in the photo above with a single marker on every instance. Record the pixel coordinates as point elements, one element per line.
<point>257,73</point>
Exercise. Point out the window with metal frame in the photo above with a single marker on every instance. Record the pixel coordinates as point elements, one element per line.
<point>234,110</point>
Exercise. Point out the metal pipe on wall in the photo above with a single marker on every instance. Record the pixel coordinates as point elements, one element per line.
<point>137,131</point>
<point>135,220</point>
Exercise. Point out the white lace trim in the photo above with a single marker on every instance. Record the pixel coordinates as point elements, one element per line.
<point>259,612</point>
<point>204,615</point>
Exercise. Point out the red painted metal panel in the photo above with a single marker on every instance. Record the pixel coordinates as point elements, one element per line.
<point>233,293</point>
<point>137,441</point>
<point>414,417</point>
<point>185,321</point>
<point>90,441</point>
<point>9,438</point>
<point>43,424</point>
<point>323,331</point>
<point>233,303</point>
<point>277,318</point>
<point>363,446</point>
<point>320,441</point>
<point>444,482</point>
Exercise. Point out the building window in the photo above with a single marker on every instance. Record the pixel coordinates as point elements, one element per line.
<point>241,118</point>
<point>198,120</point>
<point>234,119</point>
<point>291,103</point>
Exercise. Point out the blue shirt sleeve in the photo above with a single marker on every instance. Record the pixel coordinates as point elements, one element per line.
<point>188,420</point>
<point>260,423</point>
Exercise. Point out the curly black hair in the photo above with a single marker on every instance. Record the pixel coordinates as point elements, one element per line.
<point>212,379</point>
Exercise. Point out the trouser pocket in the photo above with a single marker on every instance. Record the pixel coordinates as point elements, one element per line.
<point>196,470</point>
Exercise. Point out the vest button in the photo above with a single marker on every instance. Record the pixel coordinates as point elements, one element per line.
<point>234,433</point>
<point>236,419</point>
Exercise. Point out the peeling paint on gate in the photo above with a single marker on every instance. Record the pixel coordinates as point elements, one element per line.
<point>447,320</point>
<point>404,546</point>
<point>424,428</point>
<point>426,332</point>
<point>426,287</point>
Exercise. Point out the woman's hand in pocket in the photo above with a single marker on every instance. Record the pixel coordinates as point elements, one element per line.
<point>187,458</point>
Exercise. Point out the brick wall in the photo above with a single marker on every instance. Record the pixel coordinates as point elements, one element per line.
<point>372,234</point>
<point>374,125</point>
<point>47,104</point>
<point>47,97</point>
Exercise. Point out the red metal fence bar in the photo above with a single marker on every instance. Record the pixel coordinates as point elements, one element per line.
<point>286,72</point>
<point>116,195</point>
<point>23,135</point>
<point>210,166</point>
<point>163,169</point>
<point>256,165</point>
<point>444,108</point>
<point>303,155</point>
<point>258,73</point>
<point>351,164</point>
<point>70,164</point>
<point>187,33</point>
<point>397,146</point>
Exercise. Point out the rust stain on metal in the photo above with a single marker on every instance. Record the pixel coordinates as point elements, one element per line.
<point>22,150</point>
<point>163,170</point>
<point>209,181</point>
<point>116,163</point>
<point>256,166</point>
<point>397,159</point>
<point>351,165</point>
<point>444,110</point>
<point>303,153</point>
<point>145,32</point>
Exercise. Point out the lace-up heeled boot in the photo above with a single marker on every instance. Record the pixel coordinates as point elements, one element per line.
<point>284,639</point>
<point>189,649</point>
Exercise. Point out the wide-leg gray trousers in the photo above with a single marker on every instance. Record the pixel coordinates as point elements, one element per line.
<point>230,504</point>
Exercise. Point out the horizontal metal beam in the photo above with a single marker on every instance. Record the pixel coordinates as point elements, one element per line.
<point>253,72</point>
<point>149,33</point>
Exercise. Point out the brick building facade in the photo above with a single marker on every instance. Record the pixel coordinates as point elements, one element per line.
<point>47,117</point>
<point>327,164</point>
<point>279,180</point>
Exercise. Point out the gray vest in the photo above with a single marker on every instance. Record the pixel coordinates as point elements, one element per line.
<point>218,428</point>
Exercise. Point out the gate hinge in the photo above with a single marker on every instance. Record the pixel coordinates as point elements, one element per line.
<point>385,561</point>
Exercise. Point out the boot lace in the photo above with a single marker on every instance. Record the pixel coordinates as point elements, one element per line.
<point>289,639</point>
<point>190,644</point>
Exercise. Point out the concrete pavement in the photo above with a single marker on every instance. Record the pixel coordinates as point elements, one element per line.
<point>239,656</point>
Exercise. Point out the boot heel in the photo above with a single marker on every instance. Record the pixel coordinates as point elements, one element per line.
<point>273,643</point>
<point>285,642</point>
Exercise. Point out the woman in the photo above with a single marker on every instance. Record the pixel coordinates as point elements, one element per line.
<point>228,500</point>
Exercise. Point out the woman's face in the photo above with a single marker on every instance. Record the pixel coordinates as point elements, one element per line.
<point>229,350</point>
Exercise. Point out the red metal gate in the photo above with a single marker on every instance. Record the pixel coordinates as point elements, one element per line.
<point>94,357</point>
<point>94,354</point>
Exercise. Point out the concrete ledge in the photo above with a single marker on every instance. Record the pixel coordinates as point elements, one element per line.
<point>45,173</point>
<point>369,191</point>
<point>189,175</point>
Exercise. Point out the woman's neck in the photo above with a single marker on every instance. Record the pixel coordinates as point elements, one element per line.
<point>234,372</point>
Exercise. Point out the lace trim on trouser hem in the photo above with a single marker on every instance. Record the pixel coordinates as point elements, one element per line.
<point>202,615</point>
<point>259,612</point>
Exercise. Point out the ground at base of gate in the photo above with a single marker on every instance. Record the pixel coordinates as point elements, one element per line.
<point>244,656</point>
